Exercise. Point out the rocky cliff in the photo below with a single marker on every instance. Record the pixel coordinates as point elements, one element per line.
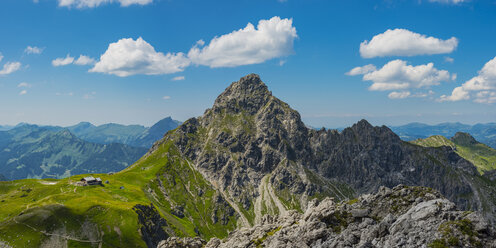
<point>258,154</point>
<point>399,217</point>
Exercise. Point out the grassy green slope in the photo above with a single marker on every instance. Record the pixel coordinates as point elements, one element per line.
<point>482,156</point>
<point>40,212</point>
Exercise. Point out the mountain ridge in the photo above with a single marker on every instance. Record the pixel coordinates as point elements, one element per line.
<point>248,157</point>
<point>34,152</point>
<point>265,139</point>
<point>485,133</point>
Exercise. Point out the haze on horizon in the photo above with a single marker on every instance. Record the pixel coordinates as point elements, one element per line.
<point>138,61</point>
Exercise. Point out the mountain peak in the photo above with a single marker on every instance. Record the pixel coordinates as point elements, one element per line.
<point>248,94</point>
<point>463,139</point>
<point>363,124</point>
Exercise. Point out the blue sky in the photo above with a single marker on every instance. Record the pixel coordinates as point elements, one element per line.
<point>303,50</point>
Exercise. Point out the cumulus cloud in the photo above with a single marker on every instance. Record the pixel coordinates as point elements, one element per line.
<point>400,78</point>
<point>178,78</point>
<point>271,38</point>
<point>360,70</point>
<point>397,75</point>
<point>33,50</point>
<point>449,59</point>
<point>96,3</point>
<point>482,88</point>
<point>402,42</point>
<point>63,61</point>
<point>1,57</point>
<point>128,57</point>
<point>10,67</point>
<point>23,92</point>
<point>84,60</point>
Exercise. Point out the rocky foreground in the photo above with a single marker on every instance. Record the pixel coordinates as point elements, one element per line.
<point>400,217</point>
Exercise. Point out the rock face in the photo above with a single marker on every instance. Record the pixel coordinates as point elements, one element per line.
<point>152,225</point>
<point>261,158</point>
<point>399,217</point>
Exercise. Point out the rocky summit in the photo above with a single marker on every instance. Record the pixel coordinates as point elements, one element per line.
<point>399,217</point>
<point>261,158</point>
<point>249,173</point>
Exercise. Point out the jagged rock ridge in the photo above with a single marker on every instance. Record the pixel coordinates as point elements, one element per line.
<point>399,217</point>
<point>255,150</point>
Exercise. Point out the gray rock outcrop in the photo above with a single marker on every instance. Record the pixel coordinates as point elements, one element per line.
<point>399,217</point>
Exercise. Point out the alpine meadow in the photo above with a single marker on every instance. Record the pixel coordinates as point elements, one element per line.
<point>247,124</point>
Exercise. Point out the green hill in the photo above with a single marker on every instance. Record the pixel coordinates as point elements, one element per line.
<point>481,155</point>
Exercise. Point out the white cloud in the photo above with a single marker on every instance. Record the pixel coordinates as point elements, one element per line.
<point>360,70</point>
<point>400,78</point>
<point>24,85</point>
<point>481,87</point>
<point>272,38</point>
<point>84,60</point>
<point>166,97</point>
<point>178,78</point>
<point>23,92</point>
<point>399,95</point>
<point>63,61</point>
<point>402,42</point>
<point>96,3</point>
<point>1,57</point>
<point>448,1</point>
<point>10,67</point>
<point>449,59</point>
<point>128,57</point>
<point>397,75</point>
<point>33,50</point>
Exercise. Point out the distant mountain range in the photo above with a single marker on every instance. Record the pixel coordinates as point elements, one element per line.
<point>31,151</point>
<point>5,128</point>
<point>133,135</point>
<point>485,133</point>
<point>37,152</point>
